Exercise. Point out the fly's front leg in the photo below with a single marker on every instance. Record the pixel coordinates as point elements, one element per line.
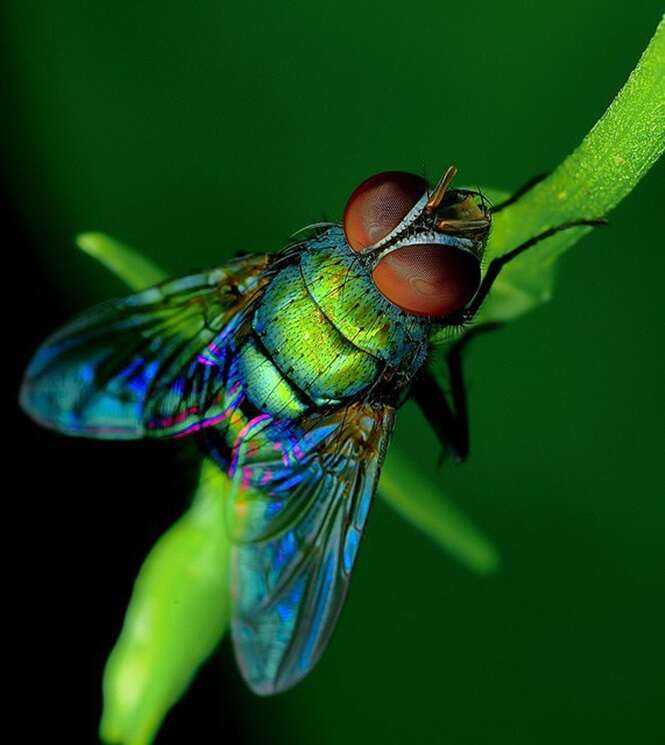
<point>450,423</point>
<point>497,265</point>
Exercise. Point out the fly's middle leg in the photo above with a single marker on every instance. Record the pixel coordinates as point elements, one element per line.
<point>466,315</point>
<point>450,421</point>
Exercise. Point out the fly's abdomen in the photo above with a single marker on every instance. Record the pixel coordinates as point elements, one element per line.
<point>318,363</point>
<point>265,385</point>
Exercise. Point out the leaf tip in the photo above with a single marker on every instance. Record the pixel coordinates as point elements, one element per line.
<point>91,243</point>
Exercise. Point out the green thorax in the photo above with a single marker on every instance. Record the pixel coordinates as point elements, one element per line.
<point>329,330</point>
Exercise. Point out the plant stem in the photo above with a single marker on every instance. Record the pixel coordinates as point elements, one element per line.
<point>610,161</point>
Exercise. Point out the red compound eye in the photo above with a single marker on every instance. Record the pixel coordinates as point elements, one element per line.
<point>429,279</point>
<point>378,206</point>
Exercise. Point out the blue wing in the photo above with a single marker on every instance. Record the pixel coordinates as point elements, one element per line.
<point>151,364</point>
<point>296,538</point>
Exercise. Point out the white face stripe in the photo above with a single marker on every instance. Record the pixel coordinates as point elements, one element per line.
<point>429,237</point>
<point>411,216</point>
<point>420,238</point>
<point>423,237</point>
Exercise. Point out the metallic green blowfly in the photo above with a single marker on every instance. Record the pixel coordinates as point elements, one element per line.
<point>288,369</point>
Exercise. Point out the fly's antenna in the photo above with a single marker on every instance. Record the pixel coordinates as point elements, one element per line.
<point>436,197</point>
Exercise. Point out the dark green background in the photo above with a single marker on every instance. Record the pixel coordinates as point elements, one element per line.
<point>195,130</point>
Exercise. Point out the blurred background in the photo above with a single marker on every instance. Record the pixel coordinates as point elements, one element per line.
<point>195,131</point>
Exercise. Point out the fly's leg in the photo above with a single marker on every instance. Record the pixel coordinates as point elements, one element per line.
<point>497,265</point>
<point>450,423</point>
<point>519,193</point>
<point>432,401</point>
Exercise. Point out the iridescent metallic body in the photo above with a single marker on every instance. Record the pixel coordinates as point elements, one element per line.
<point>288,368</point>
<point>341,286</point>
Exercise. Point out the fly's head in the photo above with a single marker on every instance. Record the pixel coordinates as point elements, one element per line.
<point>422,246</point>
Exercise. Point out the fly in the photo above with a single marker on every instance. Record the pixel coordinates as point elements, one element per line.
<point>289,368</point>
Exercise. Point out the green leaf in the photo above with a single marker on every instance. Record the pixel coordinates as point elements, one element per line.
<point>419,502</point>
<point>177,615</point>
<point>124,262</point>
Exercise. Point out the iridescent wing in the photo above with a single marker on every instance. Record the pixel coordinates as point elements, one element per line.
<point>300,503</point>
<point>151,364</point>
<point>174,360</point>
